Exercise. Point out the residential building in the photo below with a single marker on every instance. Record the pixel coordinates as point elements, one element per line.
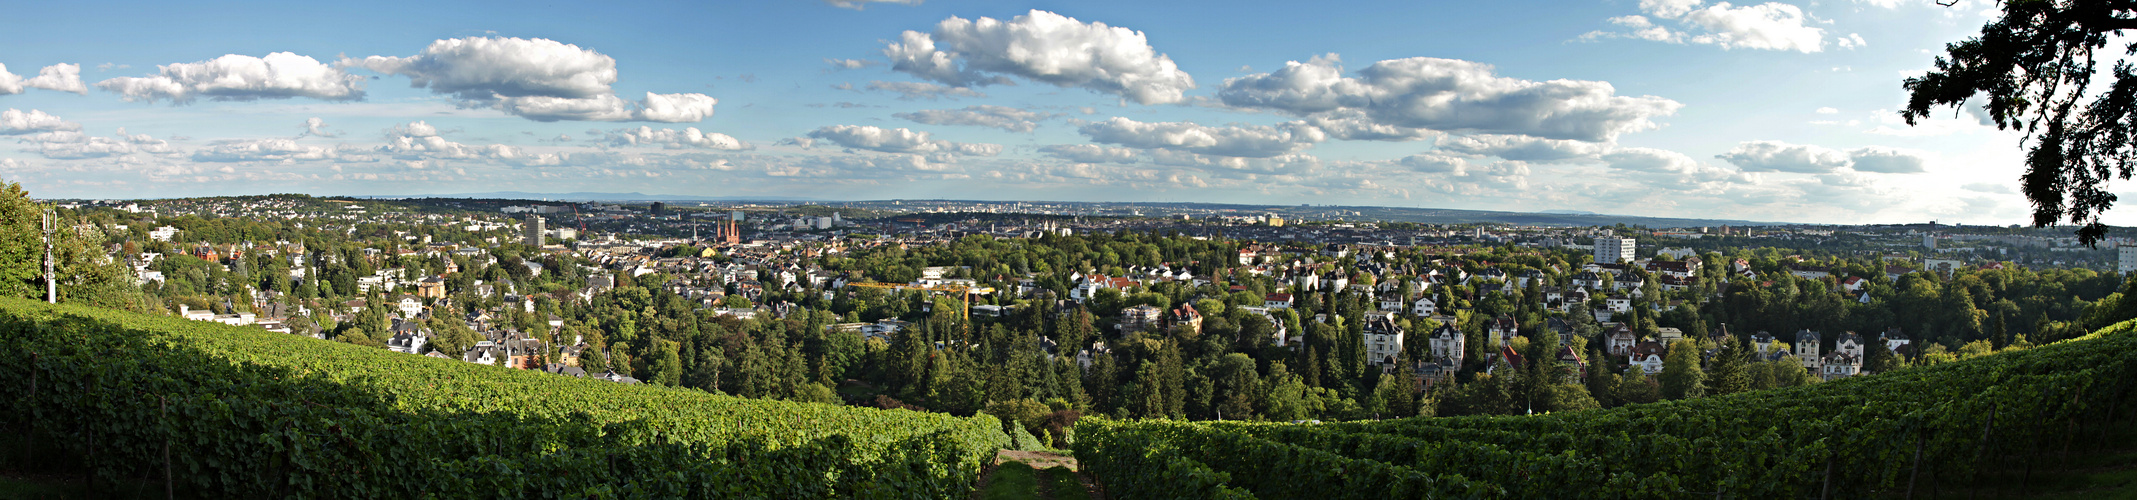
<point>1611,249</point>
<point>1383,341</point>
<point>1448,343</point>
<point>1138,318</point>
<point>534,231</point>
<point>1807,343</point>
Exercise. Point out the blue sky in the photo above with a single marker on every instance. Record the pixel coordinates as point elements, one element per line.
<point>1769,111</point>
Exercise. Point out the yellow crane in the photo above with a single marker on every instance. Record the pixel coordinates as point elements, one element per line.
<point>964,294</point>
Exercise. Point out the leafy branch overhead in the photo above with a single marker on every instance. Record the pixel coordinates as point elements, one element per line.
<point>2035,68</point>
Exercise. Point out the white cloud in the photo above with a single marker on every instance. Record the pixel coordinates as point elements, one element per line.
<point>538,79</point>
<point>1001,117</point>
<point>675,139</point>
<point>675,108</point>
<point>260,150</point>
<point>1451,96</point>
<point>1235,141</point>
<point>1091,153</point>
<point>1355,125</point>
<point>919,90</point>
<point>75,145</point>
<point>315,127</point>
<point>1766,26</point>
<point>1853,40</point>
<point>232,77</point>
<point>1886,160</point>
<point>484,68</point>
<point>63,77</point>
<point>665,108</point>
<point>863,4</point>
<point>1287,164</point>
<point>1989,187</point>
<point>851,63</point>
<point>17,122</point>
<point>10,83</point>
<point>898,140</point>
<point>1522,148</point>
<point>1045,47</point>
<point>1776,156</point>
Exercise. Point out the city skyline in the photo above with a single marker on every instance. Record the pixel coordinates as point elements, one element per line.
<point>1781,111</point>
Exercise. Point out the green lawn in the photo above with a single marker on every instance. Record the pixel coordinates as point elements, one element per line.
<point>1018,481</point>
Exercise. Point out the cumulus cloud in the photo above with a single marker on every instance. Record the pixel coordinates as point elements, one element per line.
<point>1235,141</point>
<point>919,90</point>
<point>1354,125</point>
<point>1091,153</point>
<point>232,77</point>
<point>75,145</point>
<point>278,150</point>
<point>1886,160</point>
<point>315,127</point>
<point>1451,96</point>
<point>1766,26</point>
<point>1776,156</point>
<point>486,68</point>
<point>850,63</point>
<point>1044,47</point>
<point>898,140</point>
<point>1522,148</point>
<point>1001,117</point>
<point>665,108</point>
<point>538,79</point>
<point>1853,40</point>
<point>687,138</point>
<point>1673,170</point>
<point>863,4</point>
<point>62,77</point>
<point>1285,164</point>
<point>17,122</point>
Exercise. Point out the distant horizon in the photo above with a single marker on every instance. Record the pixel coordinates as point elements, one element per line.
<point>621,197</point>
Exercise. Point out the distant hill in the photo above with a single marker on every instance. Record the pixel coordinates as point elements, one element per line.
<point>1556,217</point>
<point>586,196</point>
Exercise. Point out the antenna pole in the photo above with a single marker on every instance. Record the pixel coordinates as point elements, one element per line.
<point>51,287</point>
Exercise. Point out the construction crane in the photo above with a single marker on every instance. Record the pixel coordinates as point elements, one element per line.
<point>965,294</point>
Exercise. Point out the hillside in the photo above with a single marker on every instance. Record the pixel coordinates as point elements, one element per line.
<point>240,411</point>
<point>1915,431</point>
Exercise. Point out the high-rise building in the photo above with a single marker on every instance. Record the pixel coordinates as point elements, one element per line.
<point>2128,253</point>
<point>534,231</point>
<point>1929,241</point>
<point>1611,249</point>
<point>659,209</point>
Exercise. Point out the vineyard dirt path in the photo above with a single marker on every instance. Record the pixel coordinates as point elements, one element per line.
<point>1040,460</point>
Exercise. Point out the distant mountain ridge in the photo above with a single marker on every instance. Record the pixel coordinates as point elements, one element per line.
<point>588,196</point>
<point>1554,217</point>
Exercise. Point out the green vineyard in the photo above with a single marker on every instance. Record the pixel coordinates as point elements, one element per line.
<point>242,412</point>
<point>1903,434</point>
<point>234,411</point>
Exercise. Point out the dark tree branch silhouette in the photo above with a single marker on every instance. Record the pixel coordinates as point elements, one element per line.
<point>2035,66</point>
